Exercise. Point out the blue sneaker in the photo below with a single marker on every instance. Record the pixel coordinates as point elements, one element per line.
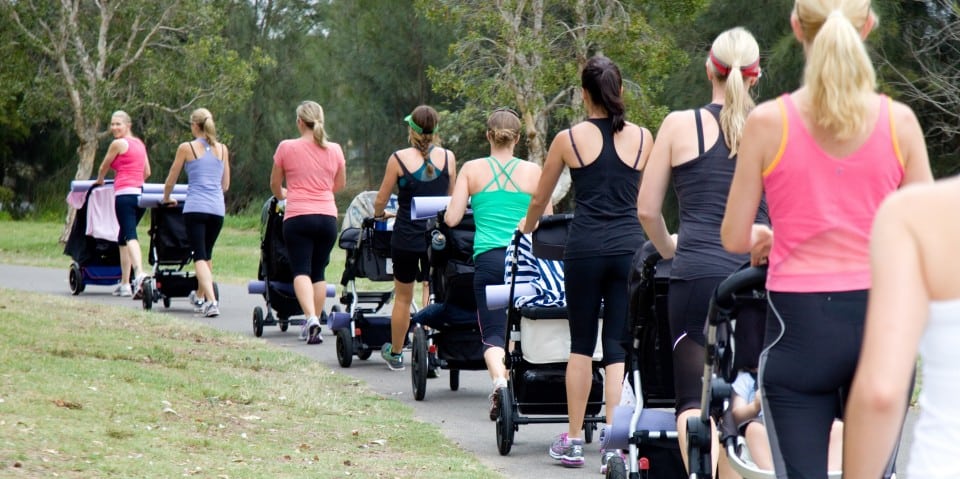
<point>569,451</point>
<point>394,361</point>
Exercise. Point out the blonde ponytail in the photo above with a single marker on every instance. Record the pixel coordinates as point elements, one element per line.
<point>735,56</point>
<point>311,114</point>
<point>839,73</point>
<point>204,121</point>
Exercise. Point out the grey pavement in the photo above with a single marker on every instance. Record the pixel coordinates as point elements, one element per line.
<point>461,415</point>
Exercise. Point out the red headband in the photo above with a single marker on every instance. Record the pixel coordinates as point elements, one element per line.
<point>751,70</point>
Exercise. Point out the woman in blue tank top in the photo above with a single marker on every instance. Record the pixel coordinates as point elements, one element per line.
<point>498,188</point>
<point>423,169</point>
<point>207,162</point>
<point>698,149</point>
<point>604,154</point>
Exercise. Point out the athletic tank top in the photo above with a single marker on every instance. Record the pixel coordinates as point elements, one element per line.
<point>936,435</point>
<point>408,234</point>
<point>205,178</point>
<point>129,166</point>
<point>702,185</point>
<point>605,216</point>
<point>497,210</point>
<point>822,208</point>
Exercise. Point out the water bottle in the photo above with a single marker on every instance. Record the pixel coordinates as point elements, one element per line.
<point>438,241</point>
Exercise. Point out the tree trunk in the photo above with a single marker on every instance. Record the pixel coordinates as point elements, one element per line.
<point>86,151</point>
<point>537,148</point>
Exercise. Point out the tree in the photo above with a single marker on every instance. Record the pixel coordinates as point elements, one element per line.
<point>528,54</point>
<point>141,56</point>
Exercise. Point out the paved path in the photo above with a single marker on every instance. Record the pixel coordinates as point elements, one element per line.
<point>461,415</point>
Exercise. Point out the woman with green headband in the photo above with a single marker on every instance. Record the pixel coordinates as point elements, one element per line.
<point>423,169</point>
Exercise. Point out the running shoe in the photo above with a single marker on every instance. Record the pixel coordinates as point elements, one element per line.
<point>313,331</point>
<point>495,401</point>
<point>605,457</point>
<point>211,310</point>
<point>568,450</point>
<point>394,361</point>
<point>123,290</point>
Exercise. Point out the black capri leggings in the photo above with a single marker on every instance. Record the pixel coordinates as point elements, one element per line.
<point>488,270</point>
<point>687,305</point>
<point>588,281</point>
<point>203,229</point>
<point>309,240</point>
<point>811,349</point>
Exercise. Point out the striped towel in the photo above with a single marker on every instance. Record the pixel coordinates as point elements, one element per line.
<point>546,276</point>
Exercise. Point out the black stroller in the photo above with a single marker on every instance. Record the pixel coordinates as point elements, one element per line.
<point>647,427</point>
<point>169,254</point>
<point>96,261</point>
<point>274,276</point>
<point>453,341</point>
<point>536,386</point>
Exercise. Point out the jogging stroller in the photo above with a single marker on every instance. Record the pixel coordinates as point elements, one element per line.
<point>536,386</point>
<point>449,339</point>
<point>169,254</point>
<point>363,326</point>
<point>644,424</point>
<point>274,276</point>
<point>92,242</point>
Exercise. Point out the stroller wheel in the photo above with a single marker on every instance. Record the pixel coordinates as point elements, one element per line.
<point>216,291</point>
<point>344,348</point>
<point>454,379</point>
<point>505,423</point>
<point>588,428</point>
<point>284,325</point>
<point>616,468</point>
<point>364,354</point>
<point>419,363</point>
<point>76,279</point>
<point>148,293</point>
<point>258,321</point>
<point>166,302</point>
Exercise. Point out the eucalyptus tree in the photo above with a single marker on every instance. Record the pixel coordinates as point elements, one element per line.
<point>93,56</point>
<point>528,54</point>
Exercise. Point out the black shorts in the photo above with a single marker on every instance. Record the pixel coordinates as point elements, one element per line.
<point>202,232</point>
<point>410,266</point>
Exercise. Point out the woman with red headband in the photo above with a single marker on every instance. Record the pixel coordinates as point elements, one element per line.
<point>824,157</point>
<point>698,149</point>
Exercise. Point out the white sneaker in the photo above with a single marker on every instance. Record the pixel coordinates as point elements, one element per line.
<point>313,331</point>
<point>211,309</point>
<point>304,332</point>
<point>197,302</point>
<point>138,286</point>
<point>123,290</point>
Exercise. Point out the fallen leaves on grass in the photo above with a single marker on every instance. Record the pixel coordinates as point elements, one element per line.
<point>67,404</point>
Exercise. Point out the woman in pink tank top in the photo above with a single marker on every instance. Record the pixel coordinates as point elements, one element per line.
<point>127,156</point>
<point>825,156</point>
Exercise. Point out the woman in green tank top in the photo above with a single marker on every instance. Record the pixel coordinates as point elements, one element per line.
<point>499,188</point>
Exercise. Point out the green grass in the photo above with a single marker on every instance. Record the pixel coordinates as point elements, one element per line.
<point>132,394</point>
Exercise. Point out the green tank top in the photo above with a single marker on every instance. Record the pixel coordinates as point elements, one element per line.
<point>497,211</point>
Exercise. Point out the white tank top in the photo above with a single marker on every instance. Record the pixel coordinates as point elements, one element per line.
<point>936,436</point>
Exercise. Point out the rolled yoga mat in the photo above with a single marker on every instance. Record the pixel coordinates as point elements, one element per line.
<point>152,200</point>
<point>81,186</point>
<point>258,287</point>
<point>158,188</point>
<point>618,435</point>
<point>498,295</point>
<point>424,207</point>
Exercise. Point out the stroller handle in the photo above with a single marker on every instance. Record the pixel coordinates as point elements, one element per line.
<point>746,278</point>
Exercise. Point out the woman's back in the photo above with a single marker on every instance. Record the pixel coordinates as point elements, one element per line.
<point>205,178</point>
<point>606,181</point>
<point>499,195</point>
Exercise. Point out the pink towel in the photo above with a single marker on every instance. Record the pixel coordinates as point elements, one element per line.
<point>75,199</point>
<point>101,216</point>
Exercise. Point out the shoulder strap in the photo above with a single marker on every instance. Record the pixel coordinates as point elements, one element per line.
<point>639,151</point>
<point>402,166</point>
<point>574,145</point>
<point>696,116</point>
<point>192,150</point>
<point>508,170</point>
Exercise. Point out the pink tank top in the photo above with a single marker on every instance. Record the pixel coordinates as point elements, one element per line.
<point>129,165</point>
<point>822,208</point>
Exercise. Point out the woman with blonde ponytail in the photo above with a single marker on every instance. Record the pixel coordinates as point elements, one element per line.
<point>824,157</point>
<point>423,169</point>
<point>698,150</point>
<point>313,169</point>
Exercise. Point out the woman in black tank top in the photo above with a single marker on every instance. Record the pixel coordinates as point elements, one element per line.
<point>603,154</point>
<point>701,169</point>
<point>424,169</point>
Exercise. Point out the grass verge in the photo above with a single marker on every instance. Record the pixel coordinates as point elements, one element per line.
<point>95,391</point>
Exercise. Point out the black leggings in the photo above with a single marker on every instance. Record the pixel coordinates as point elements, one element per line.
<point>588,281</point>
<point>309,240</point>
<point>811,348</point>
<point>202,232</point>
<point>688,302</point>
<point>489,267</point>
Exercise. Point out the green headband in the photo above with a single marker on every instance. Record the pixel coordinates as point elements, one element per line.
<point>415,127</point>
